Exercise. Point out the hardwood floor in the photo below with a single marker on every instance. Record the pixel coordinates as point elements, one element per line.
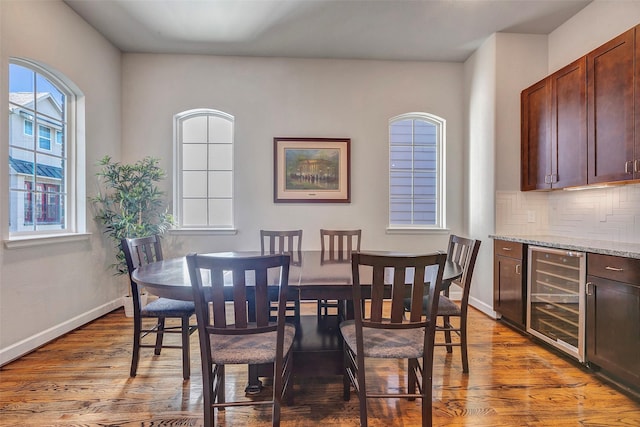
<point>82,379</point>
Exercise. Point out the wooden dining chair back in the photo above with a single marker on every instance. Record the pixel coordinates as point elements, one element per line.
<point>284,242</point>
<point>138,252</point>
<point>230,333</point>
<point>380,331</point>
<point>463,251</point>
<point>280,241</point>
<point>336,246</point>
<point>459,250</point>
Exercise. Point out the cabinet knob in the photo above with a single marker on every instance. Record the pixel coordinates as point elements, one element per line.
<point>518,268</point>
<point>636,165</point>
<point>614,268</point>
<point>506,249</point>
<point>589,289</point>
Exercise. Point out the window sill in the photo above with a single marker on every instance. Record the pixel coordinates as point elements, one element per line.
<point>417,230</point>
<point>39,240</point>
<point>204,231</point>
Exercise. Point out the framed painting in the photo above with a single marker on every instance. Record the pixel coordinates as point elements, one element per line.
<point>311,170</point>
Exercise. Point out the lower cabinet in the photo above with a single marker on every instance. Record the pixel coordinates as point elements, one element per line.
<point>613,317</point>
<point>509,282</point>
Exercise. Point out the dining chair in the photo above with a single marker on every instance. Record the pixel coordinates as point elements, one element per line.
<point>464,252</point>
<point>230,334</point>
<point>389,334</point>
<point>337,246</point>
<point>141,251</point>
<point>284,242</point>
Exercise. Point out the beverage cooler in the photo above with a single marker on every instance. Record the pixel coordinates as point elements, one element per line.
<point>556,298</point>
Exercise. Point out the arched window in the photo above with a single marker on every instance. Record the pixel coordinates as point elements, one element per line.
<point>203,189</point>
<point>43,145</point>
<point>416,171</point>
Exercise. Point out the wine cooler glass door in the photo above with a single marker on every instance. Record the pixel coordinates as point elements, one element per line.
<point>556,298</point>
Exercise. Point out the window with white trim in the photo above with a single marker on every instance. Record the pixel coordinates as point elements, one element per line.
<point>203,181</point>
<point>416,171</point>
<point>42,176</point>
<point>28,127</point>
<point>44,137</point>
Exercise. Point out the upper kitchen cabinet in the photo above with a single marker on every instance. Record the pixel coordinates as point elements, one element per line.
<point>535,103</point>
<point>554,130</point>
<point>613,146</point>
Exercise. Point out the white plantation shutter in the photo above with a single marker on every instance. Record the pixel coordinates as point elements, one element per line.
<point>416,171</point>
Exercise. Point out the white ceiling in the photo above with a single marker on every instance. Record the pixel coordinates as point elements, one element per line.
<point>433,30</point>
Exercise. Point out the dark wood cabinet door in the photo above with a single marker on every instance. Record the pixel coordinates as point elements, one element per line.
<point>636,162</point>
<point>613,328</point>
<point>535,104</point>
<point>569,126</point>
<point>508,285</point>
<point>554,130</point>
<point>610,101</point>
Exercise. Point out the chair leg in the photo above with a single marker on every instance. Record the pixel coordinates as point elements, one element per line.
<point>447,333</point>
<point>296,304</point>
<point>362,391</point>
<point>411,377</point>
<point>221,397</point>
<point>346,381</point>
<point>463,345</point>
<point>275,418</point>
<point>427,392</point>
<point>278,384</point>
<point>135,354</point>
<point>208,377</point>
<point>186,354</point>
<point>159,336</point>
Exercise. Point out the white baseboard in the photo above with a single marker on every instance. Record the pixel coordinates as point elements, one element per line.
<point>483,307</point>
<point>31,343</point>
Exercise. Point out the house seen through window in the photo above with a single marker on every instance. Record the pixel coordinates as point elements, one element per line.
<point>416,171</point>
<point>40,194</point>
<point>204,169</point>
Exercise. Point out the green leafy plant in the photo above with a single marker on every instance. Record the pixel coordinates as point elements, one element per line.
<point>129,203</point>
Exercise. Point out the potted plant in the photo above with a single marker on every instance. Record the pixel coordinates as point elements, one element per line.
<point>130,204</point>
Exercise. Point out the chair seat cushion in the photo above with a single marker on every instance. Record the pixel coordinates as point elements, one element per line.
<point>249,349</point>
<point>385,343</point>
<point>446,307</point>
<point>165,307</point>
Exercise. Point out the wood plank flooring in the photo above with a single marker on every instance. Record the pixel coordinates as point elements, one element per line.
<point>82,379</point>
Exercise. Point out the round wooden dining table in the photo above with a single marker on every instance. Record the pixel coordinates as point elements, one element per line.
<point>312,275</point>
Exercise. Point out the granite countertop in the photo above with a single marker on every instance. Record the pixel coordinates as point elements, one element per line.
<point>628,250</point>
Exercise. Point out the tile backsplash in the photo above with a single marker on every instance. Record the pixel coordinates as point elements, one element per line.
<point>611,213</point>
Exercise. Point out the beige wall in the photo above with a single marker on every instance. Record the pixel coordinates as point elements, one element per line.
<point>47,290</point>
<point>272,97</point>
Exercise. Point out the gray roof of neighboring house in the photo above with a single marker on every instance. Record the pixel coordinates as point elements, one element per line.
<point>25,99</point>
<point>24,167</point>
